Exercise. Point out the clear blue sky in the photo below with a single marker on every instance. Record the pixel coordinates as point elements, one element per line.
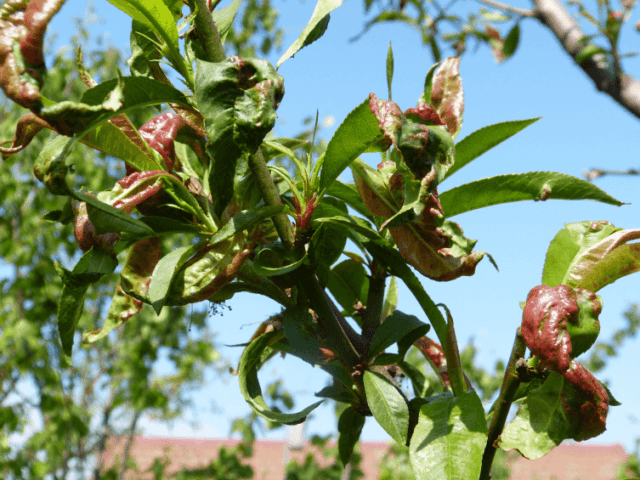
<point>581,128</point>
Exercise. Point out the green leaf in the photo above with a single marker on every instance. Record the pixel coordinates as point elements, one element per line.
<point>389,69</point>
<point>165,271</point>
<point>511,41</point>
<point>70,308</point>
<point>518,187</point>
<point>109,219</point>
<point>348,193</point>
<point>387,405</point>
<point>591,255</point>
<point>483,140</point>
<point>238,99</point>
<point>96,260</point>
<point>349,428</point>
<point>250,386</point>
<point>588,52</point>
<point>356,224</point>
<point>393,329</point>
<point>157,16</point>
<point>314,29</point>
<point>164,225</point>
<point>356,134</point>
<point>338,393</point>
<point>267,260</point>
<point>449,440</point>
<point>348,283</point>
<point>302,333</point>
<point>428,83</point>
<point>223,18</point>
<point>245,220</point>
<point>109,139</point>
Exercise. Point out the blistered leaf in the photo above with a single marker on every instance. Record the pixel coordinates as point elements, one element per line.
<point>551,315</point>
<point>138,268</point>
<point>449,440</point>
<point>314,29</point>
<point>238,98</point>
<point>447,95</point>
<point>207,272</point>
<point>435,247</point>
<point>387,405</point>
<point>349,428</point>
<point>555,412</point>
<point>250,386</point>
<point>480,141</point>
<point>518,187</point>
<point>434,354</point>
<point>23,24</point>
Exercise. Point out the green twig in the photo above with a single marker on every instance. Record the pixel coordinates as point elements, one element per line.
<point>207,31</point>
<point>510,385</point>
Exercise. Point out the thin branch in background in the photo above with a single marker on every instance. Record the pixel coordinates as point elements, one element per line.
<point>127,445</point>
<point>597,173</point>
<point>508,8</point>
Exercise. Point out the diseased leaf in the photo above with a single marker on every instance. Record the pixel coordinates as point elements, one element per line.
<point>314,29</point>
<point>238,99</point>
<point>450,437</point>
<point>447,95</point>
<point>349,429</point>
<point>22,68</point>
<point>518,187</point>
<point>550,414</point>
<point>250,386</point>
<point>483,140</point>
<point>122,308</point>
<point>138,268</point>
<point>387,405</point>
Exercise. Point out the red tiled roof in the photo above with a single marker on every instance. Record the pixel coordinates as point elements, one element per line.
<point>572,462</point>
<point>566,462</point>
<point>268,460</point>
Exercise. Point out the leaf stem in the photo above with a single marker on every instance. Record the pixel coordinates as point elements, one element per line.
<point>510,385</point>
<point>372,316</point>
<point>332,325</point>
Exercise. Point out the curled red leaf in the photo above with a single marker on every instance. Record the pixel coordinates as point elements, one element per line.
<point>23,24</point>
<point>594,401</point>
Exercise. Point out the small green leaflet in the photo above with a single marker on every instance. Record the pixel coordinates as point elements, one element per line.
<point>223,18</point>
<point>244,220</point>
<point>320,19</point>
<point>394,328</point>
